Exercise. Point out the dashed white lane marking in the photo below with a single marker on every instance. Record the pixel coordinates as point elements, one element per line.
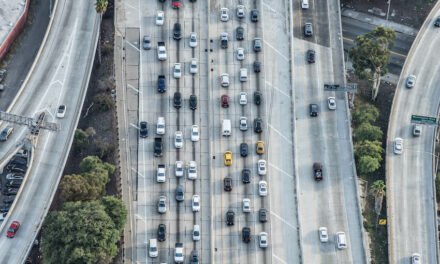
<point>279,133</point>
<point>279,259</point>
<point>282,220</point>
<point>280,170</point>
<point>129,43</point>
<point>277,51</point>
<point>276,88</point>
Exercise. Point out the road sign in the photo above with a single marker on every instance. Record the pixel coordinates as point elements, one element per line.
<point>428,120</point>
<point>350,87</point>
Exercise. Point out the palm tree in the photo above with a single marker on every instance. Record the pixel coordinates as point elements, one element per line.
<point>378,191</point>
<point>101,6</point>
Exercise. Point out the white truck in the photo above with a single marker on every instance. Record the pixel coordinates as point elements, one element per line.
<point>161,51</point>
<point>226,127</point>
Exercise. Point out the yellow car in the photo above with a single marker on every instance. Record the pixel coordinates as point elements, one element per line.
<point>228,158</point>
<point>260,147</point>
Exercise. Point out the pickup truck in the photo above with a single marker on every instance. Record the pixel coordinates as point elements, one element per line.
<point>317,171</point>
<point>158,147</point>
<point>161,84</point>
<point>161,51</point>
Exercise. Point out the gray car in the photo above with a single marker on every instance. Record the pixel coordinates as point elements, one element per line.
<point>162,204</point>
<point>146,43</point>
<point>4,135</point>
<point>308,31</point>
<point>179,193</point>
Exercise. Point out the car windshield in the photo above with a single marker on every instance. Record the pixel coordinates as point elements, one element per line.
<point>11,230</point>
<point>61,109</point>
<point>178,254</point>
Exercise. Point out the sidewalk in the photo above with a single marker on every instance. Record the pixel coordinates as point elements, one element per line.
<point>373,20</point>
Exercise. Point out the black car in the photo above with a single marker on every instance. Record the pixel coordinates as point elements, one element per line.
<point>258,125</point>
<point>17,161</point>
<point>143,129</point>
<point>257,66</point>
<point>177,100</point>
<point>230,217</point>
<point>10,191</point>
<point>437,22</point>
<point>262,215</point>
<point>194,258</point>
<point>13,183</point>
<point>246,175</point>
<point>257,45</point>
<point>177,31</point>
<point>308,31</point>
<point>311,56</point>
<point>8,200</point>
<point>193,102</point>
<point>246,234</point>
<point>161,232</point>
<point>4,209</point>
<point>161,84</point>
<point>227,182</point>
<point>158,147</point>
<point>239,33</point>
<point>179,193</point>
<point>16,169</point>
<point>254,15</point>
<point>258,98</point>
<point>243,149</point>
<point>313,109</point>
<point>6,133</point>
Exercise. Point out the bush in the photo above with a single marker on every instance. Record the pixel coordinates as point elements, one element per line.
<point>369,148</point>
<point>103,149</point>
<point>81,139</point>
<point>367,164</point>
<point>366,131</point>
<point>104,102</point>
<point>365,113</point>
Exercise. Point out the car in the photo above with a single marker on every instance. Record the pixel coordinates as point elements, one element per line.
<point>14,183</point>
<point>6,132</point>
<point>417,130</point>
<point>311,56</point>
<point>228,158</point>
<point>313,108</point>
<point>10,191</point>
<point>14,176</point>
<point>9,200</point>
<point>179,256</point>
<point>194,258</point>
<point>331,102</point>
<point>308,30</point>
<point>161,84</point>
<point>230,215</point>
<point>160,17</point>
<point>239,33</point>
<point>416,258</point>
<point>224,37</point>
<point>177,100</point>
<point>193,69</point>
<point>243,149</point>
<point>259,147</point>
<point>192,170</point>
<point>161,173</point>
<point>160,126</point>
<point>341,240</point>
<point>224,80</point>
<point>262,239</point>
<point>317,171</point>
<point>243,98</point>
<point>323,234</point>
<point>2,74</point>
<point>193,39</point>
<point>13,228</point>
<point>161,232</point>
<point>193,102</point>
<point>162,205</point>
<point>5,209</point>
<point>246,175</point>
<point>195,133</point>
<point>224,14</point>
<point>246,234</point>
<point>262,188</point>
<point>61,112</point>
<point>177,71</point>
<point>180,196</point>
<point>437,22</point>
<point>258,98</point>
<point>158,147</point>
<point>246,205</point>
<point>196,203</point>
<point>227,184</point>
<point>196,233</point>
<point>262,167</point>
<point>243,123</point>
<point>225,100</point>
<point>411,81</point>
<point>179,168</point>
<point>254,15</point>
<point>243,74</point>
<point>178,139</point>
<point>143,129</point>
<point>177,31</point>
<point>176,3</point>
<point>241,12</point>
<point>161,51</point>
<point>398,146</point>
<point>257,66</point>
<point>258,125</point>
<point>257,45</point>
<point>263,215</point>
<point>146,42</point>
<point>240,54</point>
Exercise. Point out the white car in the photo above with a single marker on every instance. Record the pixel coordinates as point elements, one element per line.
<point>162,205</point>
<point>262,188</point>
<point>411,81</point>
<point>243,98</point>
<point>262,167</point>
<point>153,252</point>
<point>196,233</point>
<point>160,127</point>
<point>241,13</point>
<point>160,18</point>
<point>193,39</point>
<point>177,71</point>
<point>195,133</point>
<point>178,140</point>
<point>398,146</point>
<point>193,67</point>
<point>262,237</point>
<point>323,234</point>
<point>246,205</point>
<point>61,112</point>
<point>331,101</point>
<point>225,80</point>
<point>161,51</point>
<point>341,240</point>
<point>192,170</point>
<point>240,54</point>
<point>243,123</point>
<point>161,173</point>
<point>417,130</point>
<point>179,168</point>
<point>415,258</point>
<point>224,14</point>
<point>196,203</point>
<point>179,257</point>
<point>13,176</point>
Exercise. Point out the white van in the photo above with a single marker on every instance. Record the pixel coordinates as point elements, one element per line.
<point>152,252</point>
<point>243,74</point>
<point>226,127</point>
<point>341,240</point>
<point>305,4</point>
<point>160,128</point>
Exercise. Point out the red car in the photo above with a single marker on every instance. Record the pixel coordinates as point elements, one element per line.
<point>225,100</point>
<point>15,225</point>
<point>176,3</point>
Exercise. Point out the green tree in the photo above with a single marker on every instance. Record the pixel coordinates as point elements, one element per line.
<point>101,6</point>
<point>377,189</point>
<point>367,164</point>
<point>81,139</point>
<point>369,148</point>
<point>365,113</point>
<point>115,208</point>
<point>74,188</point>
<point>366,131</point>
<point>92,163</point>
<point>371,55</point>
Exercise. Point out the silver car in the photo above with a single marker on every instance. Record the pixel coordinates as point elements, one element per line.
<point>411,81</point>
<point>162,204</point>
<point>243,123</point>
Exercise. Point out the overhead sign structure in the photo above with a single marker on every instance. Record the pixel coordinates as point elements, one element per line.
<point>427,120</point>
<point>350,87</point>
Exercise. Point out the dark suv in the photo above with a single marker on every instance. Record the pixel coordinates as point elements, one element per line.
<point>246,175</point>
<point>254,15</point>
<point>239,33</point>
<point>193,102</point>
<point>311,56</point>
<point>177,100</point>
<point>230,217</point>
<point>258,97</point>
<point>227,182</point>
<point>262,215</point>
<point>161,84</point>
<point>143,129</point>
<point>258,125</point>
<point>246,234</point>
<point>177,31</point>
<point>313,109</point>
<point>257,66</point>
<point>161,232</point>
<point>308,31</point>
<point>243,149</point>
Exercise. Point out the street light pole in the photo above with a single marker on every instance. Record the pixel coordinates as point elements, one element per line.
<point>388,12</point>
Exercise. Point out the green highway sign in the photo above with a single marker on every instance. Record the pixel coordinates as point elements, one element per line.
<point>428,120</point>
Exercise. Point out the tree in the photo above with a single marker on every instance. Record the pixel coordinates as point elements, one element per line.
<point>366,131</point>
<point>115,208</point>
<point>365,113</point>
<point>378,191</point>
<point>81,139</point>
<point>103,149</point>
<point>371,55</point>
<point>101,6</point>
<point>369,148</point>
<point>74,187</point>
<point>367,164</point>
<point>92,163</point>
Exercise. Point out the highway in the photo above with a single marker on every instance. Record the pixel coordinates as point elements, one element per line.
<point>411,206</point>
<point>59,76</point>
